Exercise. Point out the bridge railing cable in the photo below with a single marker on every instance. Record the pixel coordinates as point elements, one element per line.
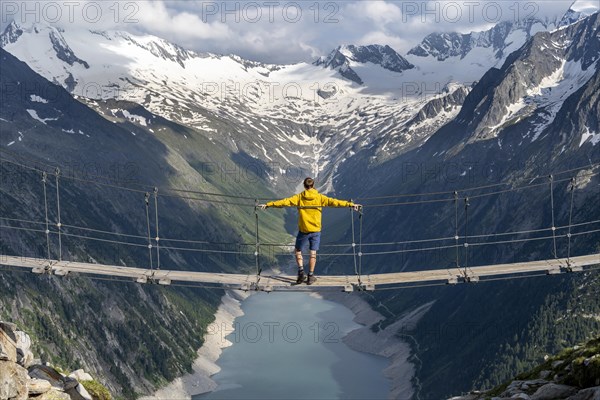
<point>408,242</point>
<point>357,264</point>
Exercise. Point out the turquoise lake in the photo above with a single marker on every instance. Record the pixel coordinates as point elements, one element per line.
<point>289,345</point>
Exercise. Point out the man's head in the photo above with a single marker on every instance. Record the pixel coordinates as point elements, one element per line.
<point>309,183</point>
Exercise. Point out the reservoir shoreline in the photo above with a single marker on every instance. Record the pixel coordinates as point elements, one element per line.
<point>386,343</point>
<point>199,381</point>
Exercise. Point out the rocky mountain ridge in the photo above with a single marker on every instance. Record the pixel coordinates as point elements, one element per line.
<point>502,39</point>
<point>341,58</point>
<point>246,107</point>
<point>69,134</point>
<point>300,107</point>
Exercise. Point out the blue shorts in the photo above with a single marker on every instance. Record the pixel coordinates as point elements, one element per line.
<point>313,239</point>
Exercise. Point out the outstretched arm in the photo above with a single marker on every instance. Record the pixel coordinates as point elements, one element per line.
<point>331,202</point>
<point>293,201</point>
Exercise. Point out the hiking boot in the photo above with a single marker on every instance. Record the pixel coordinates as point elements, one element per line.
<point>300,277</point>
<point>311,279</point>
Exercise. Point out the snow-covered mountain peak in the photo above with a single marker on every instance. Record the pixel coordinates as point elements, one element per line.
<point>11,34</point>
<point>499,41</point>
<point>578,10</point>
<point>538,79</point>
<point>302,114</point>
<point>345,57</point>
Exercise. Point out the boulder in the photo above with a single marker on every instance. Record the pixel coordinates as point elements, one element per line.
<point>69,383</point>
<point>38,386</point>
<point>23,340</point>
<point>523,396</point>
<point>53,394</point>
<point>587,394</point>
<point>553,391</point>
<point>25,358</point>
<point>518,387</point>
<point>48,374</point>
<point>8,327</point>
<point>545,374</point>
<point>8,342</point>
<point>536,382</point>
<point>24,354</point>
<point>13,381</point>
<point>79,393</point>
<point>81,375</point>
<point>512,389</point>
<point>83,392</point>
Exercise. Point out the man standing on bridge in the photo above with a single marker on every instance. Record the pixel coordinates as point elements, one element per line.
<point>309,203</point>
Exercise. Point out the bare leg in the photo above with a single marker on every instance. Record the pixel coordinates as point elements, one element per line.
<point>299,259</point>
<point>312,261</point>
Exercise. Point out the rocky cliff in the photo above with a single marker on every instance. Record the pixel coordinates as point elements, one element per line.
<point>574,374</point>
<point>22,376</point>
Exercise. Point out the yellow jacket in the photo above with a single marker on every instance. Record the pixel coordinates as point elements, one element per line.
<point>309,204</point>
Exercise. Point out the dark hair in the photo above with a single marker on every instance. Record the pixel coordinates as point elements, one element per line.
<point>309,183</point>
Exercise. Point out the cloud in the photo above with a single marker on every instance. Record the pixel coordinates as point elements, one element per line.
<point>378,11</point>
<point>155,17</point>
<point>587,6</point>
<point>286,31</point>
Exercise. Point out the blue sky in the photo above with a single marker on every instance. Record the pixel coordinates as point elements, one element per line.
<point>282,31</point>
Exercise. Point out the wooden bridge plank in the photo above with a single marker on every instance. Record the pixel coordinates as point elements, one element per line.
<point>278,282</point>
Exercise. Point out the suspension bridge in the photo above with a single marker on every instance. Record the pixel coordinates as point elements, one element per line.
<point>259,280</point>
